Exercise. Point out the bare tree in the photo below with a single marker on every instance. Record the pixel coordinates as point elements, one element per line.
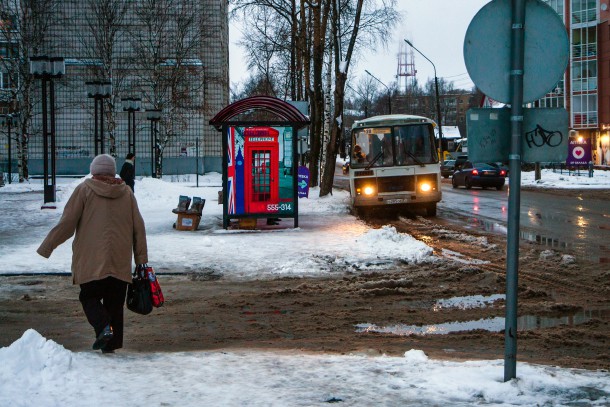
<point>283,32</point>
<point>263,47</point>
<point>312,40</point>
<point>303,50</point>
<point>168,33</point>
<point>367,90</point>
<point>105,21</point>
<point>349,18</point>
<point>24,24</point>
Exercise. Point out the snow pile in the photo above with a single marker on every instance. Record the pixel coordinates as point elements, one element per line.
<point>327,239</point>
<point>468,302</point>
<point>567,179</point>
<point>41,373</point>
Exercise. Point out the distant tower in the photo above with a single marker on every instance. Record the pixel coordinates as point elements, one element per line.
<point>406,68</point>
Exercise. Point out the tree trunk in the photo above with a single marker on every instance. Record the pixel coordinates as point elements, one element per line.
<point>320,19</point>
<point>22,157</point>
<point>326,186</point>
<point>341,67</point>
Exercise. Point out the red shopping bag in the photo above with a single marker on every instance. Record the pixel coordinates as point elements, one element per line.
<point>155,289</point>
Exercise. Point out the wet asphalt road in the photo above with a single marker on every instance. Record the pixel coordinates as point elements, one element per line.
<point>557,221</point>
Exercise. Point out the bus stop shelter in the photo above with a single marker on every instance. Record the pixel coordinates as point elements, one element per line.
<point>259,158</point>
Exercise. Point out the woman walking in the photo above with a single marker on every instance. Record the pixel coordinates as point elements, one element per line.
<point>109,228</point>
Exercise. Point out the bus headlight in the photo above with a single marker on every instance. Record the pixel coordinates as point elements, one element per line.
<point>425,187</point>
<point>369,190</point>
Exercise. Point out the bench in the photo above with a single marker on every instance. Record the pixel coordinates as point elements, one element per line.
<point>188,218</point>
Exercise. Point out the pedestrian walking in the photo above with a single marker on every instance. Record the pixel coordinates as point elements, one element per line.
<point>128,170</point>
<point>104,214</point>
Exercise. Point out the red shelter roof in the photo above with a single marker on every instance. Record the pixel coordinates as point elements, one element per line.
<point>276,110</point>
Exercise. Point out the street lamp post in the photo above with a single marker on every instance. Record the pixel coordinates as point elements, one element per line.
<point>9,121</point>
<point>389,92</point>
<point>47,69</point>
<point>131,106</point>
<point>366,101</point>
<point>154,115</point>
<point>438,103</point>
<point>98,91</point>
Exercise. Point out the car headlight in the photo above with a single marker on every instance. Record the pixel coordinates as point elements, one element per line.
<point>425,187</point>
<point>369,190</point>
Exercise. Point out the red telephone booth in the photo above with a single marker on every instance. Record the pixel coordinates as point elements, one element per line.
<point>261,181</point>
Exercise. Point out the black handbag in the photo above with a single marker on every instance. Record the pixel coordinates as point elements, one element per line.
<point>139,297</point>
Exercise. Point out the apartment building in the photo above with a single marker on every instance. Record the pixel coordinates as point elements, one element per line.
<point>171,55</point>
<point>585,89</point>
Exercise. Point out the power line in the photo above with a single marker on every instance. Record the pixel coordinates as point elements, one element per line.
<point>454,76</point>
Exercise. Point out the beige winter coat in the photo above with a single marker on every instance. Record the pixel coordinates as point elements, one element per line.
<point>108,228</point>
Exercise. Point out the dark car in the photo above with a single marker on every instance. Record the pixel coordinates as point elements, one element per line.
<point>503,166</point>
<point>447,168</point>
<point>482,175</point>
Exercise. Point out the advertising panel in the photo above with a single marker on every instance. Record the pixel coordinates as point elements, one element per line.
<point>260,177</point>
<point>579,152</point>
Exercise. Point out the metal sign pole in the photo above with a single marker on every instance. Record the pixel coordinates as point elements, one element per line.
<point>516,121</point>
<point>197,161</point>
<point>10,168</point>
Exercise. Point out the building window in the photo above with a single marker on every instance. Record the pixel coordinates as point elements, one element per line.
<point>8,50</point>
<point>584,11</point>
<point>584,42</point>
<point>557,5</point>
<point>8,23</point>
<point>5,81</point>
<point>584,111</point>
<point>584,75</point>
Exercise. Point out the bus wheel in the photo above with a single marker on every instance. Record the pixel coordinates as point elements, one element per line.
<point>431,209</point>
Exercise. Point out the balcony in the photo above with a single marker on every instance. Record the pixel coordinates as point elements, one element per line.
<point>584,50</point>
<point>584,120</point>
<point>584,16</point>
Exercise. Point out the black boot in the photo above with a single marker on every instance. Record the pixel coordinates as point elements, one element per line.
<point>103,338</point>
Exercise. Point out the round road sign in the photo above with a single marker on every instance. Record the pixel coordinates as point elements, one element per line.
<point>487,50</point>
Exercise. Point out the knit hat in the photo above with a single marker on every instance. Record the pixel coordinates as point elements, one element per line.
<point>103,164</point>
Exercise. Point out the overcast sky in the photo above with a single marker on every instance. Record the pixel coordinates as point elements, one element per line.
<point>436,27</point>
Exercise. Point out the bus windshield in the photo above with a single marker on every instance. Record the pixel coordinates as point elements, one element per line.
<point>411,144</point>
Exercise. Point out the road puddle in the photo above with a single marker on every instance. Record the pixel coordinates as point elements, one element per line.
<point>496,324</point>
<point>596,253</point>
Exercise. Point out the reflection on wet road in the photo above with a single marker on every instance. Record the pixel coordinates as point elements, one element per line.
<point>557,221</point>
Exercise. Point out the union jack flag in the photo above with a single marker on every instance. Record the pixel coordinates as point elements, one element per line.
<point>231,171</point>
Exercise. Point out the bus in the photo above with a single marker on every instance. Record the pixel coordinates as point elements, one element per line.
<point>393,163</point>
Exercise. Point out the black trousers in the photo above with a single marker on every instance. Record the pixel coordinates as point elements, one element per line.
<point>103,302</point>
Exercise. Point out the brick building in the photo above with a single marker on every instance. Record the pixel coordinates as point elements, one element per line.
<point>585,89</point>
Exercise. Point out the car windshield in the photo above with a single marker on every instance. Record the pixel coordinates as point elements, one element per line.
<point>397,145</point>
<point>485,166</point>
<point>449,163</point>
